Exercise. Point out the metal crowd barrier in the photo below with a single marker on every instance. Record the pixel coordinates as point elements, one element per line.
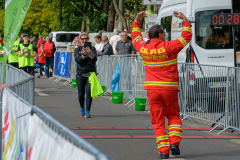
<point>210,93</point>
<point>20,82</point>
<point>206,92</point>
<point>21,85</point>
<point>61,130</point>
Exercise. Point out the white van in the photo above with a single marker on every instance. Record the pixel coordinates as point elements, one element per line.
<point>62,39</point>
<point>205,84</point>
<point>205,41</point>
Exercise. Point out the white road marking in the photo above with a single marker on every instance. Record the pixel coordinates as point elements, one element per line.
<point>38,91</point>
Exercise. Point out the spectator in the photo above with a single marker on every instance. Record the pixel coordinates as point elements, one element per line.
<point>75,42</point>
<point>34,41</point>
<point>21,40</point>
<point>13,56</point>
<point>124,46</point>
<point>49,50</point>
<point>147,36</point>
<point>114,39</point>
<point>1,52</point>
<point>41,59</point>
<point>107,48</point>
<point>1,39</point>
<point>26,53</point>
<point>99,45</point>
<point>129,37</point>
<point>36,65</point>
<point>86,59</point>
<point>40,40</point>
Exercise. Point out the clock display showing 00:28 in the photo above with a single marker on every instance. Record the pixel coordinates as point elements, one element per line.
<point>225,19</point>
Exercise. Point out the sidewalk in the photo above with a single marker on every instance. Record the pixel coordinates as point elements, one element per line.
<point>125,134</point>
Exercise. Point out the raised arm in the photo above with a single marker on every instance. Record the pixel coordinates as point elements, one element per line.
<point>186,36</point>
<point>137,39</point>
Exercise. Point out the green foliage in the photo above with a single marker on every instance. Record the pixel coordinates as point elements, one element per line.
<point>98,20</point>
<point>42,17</point>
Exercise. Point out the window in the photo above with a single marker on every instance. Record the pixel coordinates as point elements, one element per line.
<point>212,37</point>
<point>72,36</point>
<point>61,37</point>
<point>166,22</point>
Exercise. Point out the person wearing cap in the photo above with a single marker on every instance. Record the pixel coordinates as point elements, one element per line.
<point>13,57</point>
<point>99,45</point>
<point>114,39</point>
<point>26,53</point>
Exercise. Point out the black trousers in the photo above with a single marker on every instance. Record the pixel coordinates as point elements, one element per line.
<point>14,64</point>
<point>28,69</point>
<point>84,86</point>
<point>41,68</point>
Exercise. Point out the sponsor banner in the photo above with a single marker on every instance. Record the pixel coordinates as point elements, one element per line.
<point>15,115</point>
<point>62,63</point>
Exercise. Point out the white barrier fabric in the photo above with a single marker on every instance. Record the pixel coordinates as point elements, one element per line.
<point>45,144</point>
<point>15,115</point>
<point>27,137</point>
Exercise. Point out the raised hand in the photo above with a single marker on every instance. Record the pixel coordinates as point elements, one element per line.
<point>179,15</point>
<point>140,16</point>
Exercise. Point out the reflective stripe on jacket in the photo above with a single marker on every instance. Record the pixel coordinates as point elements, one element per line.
<point>160,57</point>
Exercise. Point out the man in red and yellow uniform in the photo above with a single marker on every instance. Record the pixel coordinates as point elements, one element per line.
<point>160,61</point>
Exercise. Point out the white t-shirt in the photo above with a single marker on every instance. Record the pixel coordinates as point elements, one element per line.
<point>113,41</point>
<point>99,47</point>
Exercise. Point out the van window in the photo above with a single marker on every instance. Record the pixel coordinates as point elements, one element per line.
<point>72,36</point>
<point>61,37</point>
<point>212,37</point>
<point>166,22</point>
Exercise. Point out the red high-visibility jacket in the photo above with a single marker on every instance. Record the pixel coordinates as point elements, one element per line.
<point>160,57</point>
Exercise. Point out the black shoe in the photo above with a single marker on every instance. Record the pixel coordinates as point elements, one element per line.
<point>175,149</point>
<point>164,156</point>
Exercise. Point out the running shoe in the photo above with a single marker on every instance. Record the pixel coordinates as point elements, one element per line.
<point>82,112</point>
<point>88,114</point>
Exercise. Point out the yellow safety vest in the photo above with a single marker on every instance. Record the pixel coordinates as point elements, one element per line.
<point>25,61</point>
<point>1,49</point>
<point>13,56</point>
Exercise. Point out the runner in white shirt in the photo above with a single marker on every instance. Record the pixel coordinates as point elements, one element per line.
<point>99,45</point>
<point>114,39</point>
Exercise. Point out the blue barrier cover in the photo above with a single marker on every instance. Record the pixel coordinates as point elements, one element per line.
<point>115,80</point>
<point>62,63</point>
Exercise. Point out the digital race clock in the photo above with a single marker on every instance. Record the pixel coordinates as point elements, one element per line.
<point>226,19</point>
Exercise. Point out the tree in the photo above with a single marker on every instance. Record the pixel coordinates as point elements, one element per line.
<point>119,13</point>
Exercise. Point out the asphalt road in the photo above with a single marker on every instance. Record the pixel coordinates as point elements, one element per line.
<point>125,134</point>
